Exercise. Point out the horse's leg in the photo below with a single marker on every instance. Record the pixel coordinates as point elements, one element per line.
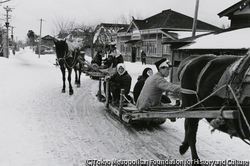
<point>78,75</point>
<point>184,147</point>
<point>63,76</point>
<point>192,125</point>
<point>71,92</point>
<point>80,72</point>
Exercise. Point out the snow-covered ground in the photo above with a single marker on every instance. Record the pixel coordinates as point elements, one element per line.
<point>41,126</point>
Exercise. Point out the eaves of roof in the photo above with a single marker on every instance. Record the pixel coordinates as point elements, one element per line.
<point>186,40</point>
<point>233,8</point>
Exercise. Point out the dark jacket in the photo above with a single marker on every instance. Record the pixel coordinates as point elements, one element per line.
<point>139,84</point>
<point>113,60</point>
<point>122,81</point>
<point>118,60</point>
<point>108,61</point>
<point>97,59</point>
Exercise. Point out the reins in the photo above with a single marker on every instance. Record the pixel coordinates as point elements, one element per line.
<point>65,57</point>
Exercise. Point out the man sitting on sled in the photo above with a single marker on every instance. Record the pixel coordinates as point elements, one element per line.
<point>155,85</point>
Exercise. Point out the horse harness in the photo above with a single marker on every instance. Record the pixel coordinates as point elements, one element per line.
<point>68,54</point>
<point>231,82</point>
<point>236,75</point>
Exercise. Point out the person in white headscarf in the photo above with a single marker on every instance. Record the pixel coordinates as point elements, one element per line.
<point>120,80</point>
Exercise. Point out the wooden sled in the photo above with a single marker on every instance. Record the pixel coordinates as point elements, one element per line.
<point>158,115</point>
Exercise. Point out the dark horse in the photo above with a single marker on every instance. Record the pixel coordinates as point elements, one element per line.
<point>67,56</point>
<point>215,79</point>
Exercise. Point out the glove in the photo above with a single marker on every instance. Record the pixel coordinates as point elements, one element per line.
<point>106,77</point>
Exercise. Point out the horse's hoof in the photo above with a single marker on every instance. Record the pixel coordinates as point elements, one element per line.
<point>71,92</point>
<point>183,149</point>
<point>63,90</point>
<point>78,85</point>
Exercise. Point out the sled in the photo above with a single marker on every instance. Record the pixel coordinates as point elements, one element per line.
<point>95,72</point>
<point>157,115</point>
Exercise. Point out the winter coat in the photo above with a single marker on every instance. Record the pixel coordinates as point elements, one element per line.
<point>108,61</point>
<point>97,59</point>
<point>139,84</point>
<point>118,60</point>
<point>122,81</point>
<point>152,91</point>
<point>113,60</point>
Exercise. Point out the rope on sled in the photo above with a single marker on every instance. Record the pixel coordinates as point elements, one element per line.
<point>238,104</point>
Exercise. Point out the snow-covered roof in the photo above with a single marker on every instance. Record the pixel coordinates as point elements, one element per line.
<point>236,39</point>
<point>184,34</point>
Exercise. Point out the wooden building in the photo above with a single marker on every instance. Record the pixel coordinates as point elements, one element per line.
<point>47,45</point>
<point>238,14</point>
<point>150,34</point>
<point>106,35</point>
<point>231,41</point>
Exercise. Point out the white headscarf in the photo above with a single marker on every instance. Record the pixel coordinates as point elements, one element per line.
<point>121,65</point>
<point>117,53</point>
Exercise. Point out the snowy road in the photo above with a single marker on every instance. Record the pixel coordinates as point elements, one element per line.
<point>41,126</point>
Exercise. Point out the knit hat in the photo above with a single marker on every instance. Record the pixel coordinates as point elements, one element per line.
<point>163,63</point>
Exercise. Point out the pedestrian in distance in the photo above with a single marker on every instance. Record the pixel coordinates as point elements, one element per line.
<point>143,57</point>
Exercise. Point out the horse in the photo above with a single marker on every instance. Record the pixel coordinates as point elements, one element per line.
<point>212,81</point>
<point>68,57</point>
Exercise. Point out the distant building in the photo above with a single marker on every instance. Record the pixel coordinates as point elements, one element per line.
<point>106,35</point>
<point>151,34</point>
<point>47,45</point>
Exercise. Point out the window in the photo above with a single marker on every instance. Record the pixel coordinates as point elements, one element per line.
<point>149,47</point>
<point>125,48</point>
<point>166,49</point>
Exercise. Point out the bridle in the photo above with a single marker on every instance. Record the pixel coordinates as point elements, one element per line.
<point>66,56</point>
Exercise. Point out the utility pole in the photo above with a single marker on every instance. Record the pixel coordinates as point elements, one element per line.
<point>41,20</point>
<point>195,18</point>
<point>7,24</point>
<point>12,37</point>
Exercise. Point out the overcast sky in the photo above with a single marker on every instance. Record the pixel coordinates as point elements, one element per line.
<point>26,14</point>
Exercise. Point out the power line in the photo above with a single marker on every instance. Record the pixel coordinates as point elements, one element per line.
<point>41,20</point>
<point>7,24</point>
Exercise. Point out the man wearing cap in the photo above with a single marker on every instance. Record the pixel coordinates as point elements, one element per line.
<point>155,85</point>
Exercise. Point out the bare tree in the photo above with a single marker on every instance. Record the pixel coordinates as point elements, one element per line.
<point>126,19</point>
<point>63,25</point>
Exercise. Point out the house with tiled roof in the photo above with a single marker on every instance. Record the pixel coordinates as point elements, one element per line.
<point>150,34</point>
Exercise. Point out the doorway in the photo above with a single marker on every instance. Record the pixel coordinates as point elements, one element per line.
<point>133,54</point>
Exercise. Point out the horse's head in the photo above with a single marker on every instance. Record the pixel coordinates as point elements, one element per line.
<point>61,48</point>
